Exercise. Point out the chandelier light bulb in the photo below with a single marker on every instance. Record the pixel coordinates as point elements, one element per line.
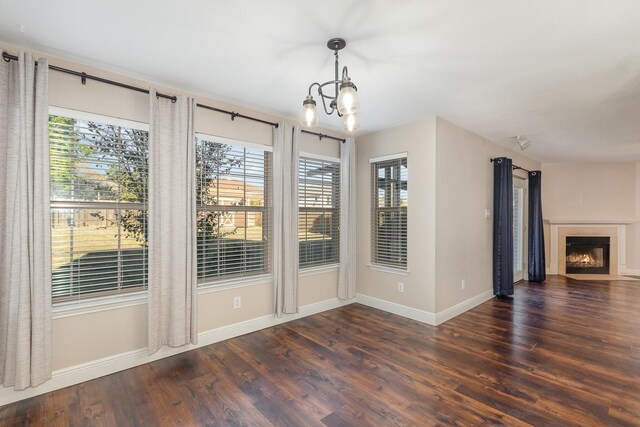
<point>309,113</point>
<point>348,100</point>
<point>351,122</point>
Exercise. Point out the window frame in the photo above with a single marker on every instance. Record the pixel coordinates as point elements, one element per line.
<point>375,209</point>
<point>92,299</point>
<point>321,266</point>
<point>238,280</point>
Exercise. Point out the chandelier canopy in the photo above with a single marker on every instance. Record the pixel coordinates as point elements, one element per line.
<point>343,99</point>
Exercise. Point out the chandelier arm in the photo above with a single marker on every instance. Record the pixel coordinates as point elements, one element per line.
<point>324,104</point>
<point>345,74</point>
<point>330,82</point>
<point>312,85</point>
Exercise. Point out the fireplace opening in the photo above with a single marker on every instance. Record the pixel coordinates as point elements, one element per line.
<point>587,255</point>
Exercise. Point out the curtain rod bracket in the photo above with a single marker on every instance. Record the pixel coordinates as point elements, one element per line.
<point>83,78</point>
<point>234,115</point>
<point>6,56</point>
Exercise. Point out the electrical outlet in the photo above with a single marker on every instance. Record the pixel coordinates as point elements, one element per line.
<point>237,303</point>
<point>400,287</point>
<point>463,284</point>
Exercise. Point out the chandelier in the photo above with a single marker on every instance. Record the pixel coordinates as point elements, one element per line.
<point>343,99</point>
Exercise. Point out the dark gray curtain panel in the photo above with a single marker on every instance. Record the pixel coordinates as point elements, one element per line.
<point>502,227</point>
<point>537,263</point>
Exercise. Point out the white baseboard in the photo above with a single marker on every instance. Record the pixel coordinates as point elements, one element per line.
<point>422,315</point>
<point>630,272</point>
<point>98,368</point>
<point>399,309</point>
<point>460,308</point>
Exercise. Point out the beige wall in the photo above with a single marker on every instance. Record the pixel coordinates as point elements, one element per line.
<point>449,238</point>
<point>464,179</point>
<point>419,141</point>
<point>85,337</point>
<point>586,191</point>
<point>594,191</point>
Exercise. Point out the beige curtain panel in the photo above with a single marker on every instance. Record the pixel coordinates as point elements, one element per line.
<point>172,220</point>
<point>347,274</point>
<point>285,216</point>
<point>25,240</point>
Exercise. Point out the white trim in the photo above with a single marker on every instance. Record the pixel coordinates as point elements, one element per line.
<point>319,157</point>
<point>422,315</point>
<point>98,368</point>
<point>319,269</point>
<point>630,272</point>
<point>115,302</point>
<point>388,157</point>
<point>385,269</point>
<point>399,309</point>
<point>460,308</point>
<point>100,118</point>
<point>231,141</point>
<point>206,286</point>
<point>94,305</point>
<point>592,221</point>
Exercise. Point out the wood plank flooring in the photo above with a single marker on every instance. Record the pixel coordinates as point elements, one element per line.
<point>563,353</point>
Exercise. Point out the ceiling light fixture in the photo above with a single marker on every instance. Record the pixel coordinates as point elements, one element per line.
<point>343,100</point>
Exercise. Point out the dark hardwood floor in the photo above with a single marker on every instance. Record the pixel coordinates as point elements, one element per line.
<point>563,353</point>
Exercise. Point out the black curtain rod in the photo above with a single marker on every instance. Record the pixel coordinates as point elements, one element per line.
<point>514,167</point>
<point>322,135</point>
<point>84,76</point>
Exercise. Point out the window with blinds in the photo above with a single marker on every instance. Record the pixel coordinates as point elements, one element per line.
<point>389,212</point>
<point>98,182</point>
<point>233,190</point>
<point>319,211</point>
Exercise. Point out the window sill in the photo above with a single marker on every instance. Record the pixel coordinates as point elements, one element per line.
<point>113,302</point>
<point>318,269</point>
<point>207,286</point>
<point>385,269</point>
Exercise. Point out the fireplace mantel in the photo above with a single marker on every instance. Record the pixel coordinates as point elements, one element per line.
<point>592,221</point>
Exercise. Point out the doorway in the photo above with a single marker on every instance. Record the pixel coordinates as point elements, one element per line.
<point>519,228</point>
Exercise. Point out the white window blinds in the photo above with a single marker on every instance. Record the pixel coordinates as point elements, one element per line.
<point>319,211</point>
<point>233,188</point>
<point>98,175</point>
<point>389,212</point>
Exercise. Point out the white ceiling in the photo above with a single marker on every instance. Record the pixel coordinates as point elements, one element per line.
<point>565,74</point>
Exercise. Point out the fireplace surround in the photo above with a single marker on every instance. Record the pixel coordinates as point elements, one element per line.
<point>559,229</point>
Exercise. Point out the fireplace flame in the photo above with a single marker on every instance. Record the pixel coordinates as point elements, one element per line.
<point>581,260</point>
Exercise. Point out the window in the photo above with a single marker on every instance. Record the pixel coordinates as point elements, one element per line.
<point>319,211</point>
<point>98,177</point>
<point>389,212</point>
<point>233,188</point>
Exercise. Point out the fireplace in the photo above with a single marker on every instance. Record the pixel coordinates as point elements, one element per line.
<point>587,255</point>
